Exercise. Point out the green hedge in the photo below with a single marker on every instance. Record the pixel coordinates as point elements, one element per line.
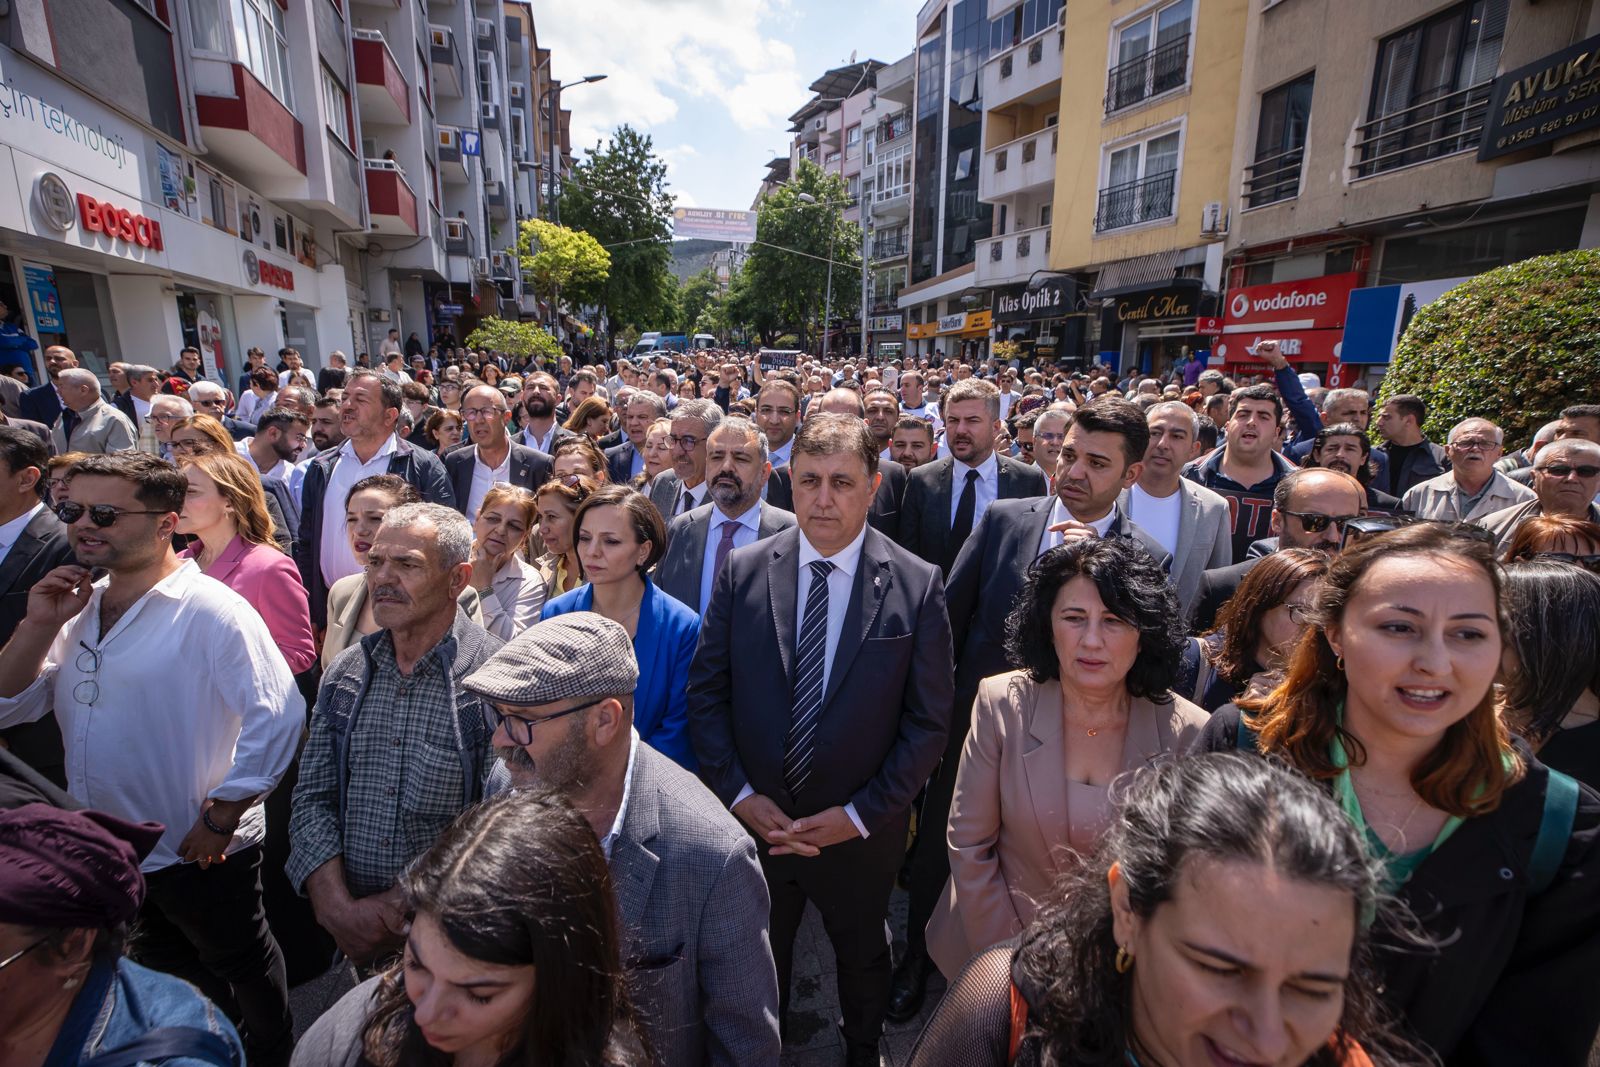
<point>1515,345</point>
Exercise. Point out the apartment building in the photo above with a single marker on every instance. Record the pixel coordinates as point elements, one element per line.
<point>886,205</point>
<point>1384,152</point>
<point>1148,104</point>
<point>257,172</point>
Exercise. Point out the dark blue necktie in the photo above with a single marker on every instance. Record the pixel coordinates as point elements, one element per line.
<point>810,657</point>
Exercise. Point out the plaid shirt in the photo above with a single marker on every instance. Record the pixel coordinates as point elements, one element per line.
<point>405,747</point>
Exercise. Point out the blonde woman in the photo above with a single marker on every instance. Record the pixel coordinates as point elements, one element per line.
<point>557,504</point>
<point>226,512</point>
<point>510,589</point>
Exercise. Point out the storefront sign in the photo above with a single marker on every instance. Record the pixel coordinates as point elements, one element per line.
<point>886,323</point>
<point>55,201</point>
<point>920,329</point>
<point>1208,326</point>
<point>1308,304</point>
<point>1545,100</point>
<point>953,323</point>
<point>259,271</point>
<point>43,298</point>
<point>1306,346</point>
<point>1379,316</point>
<point>450,311</point>
<point>1172,302</point>
<point>60,124</point>
<point>1050,299</point>
<point>118,223</point>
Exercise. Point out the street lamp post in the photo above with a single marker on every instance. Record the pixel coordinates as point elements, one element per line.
<point>554,105</point>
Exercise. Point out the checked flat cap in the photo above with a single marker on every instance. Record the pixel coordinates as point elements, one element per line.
<point>580,654</point>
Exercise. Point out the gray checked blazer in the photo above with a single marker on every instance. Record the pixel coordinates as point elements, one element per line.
<point>693,905</point>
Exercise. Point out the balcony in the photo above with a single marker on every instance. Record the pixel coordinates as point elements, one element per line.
<point>252,131</point>
<point>1026,73</point>
<point>1020,166</point>
<point>503,266</point>
<point>892,129</point>
<point>486,36</point>
<point>448,79</point>
<point>1012,257</point>
<point>381,89</point>
<point>1416,134</point>
<point>457,237</point>
<point>390,202</point>
<point>1148,199</point>
<point>1158,71</point>
<point>897,81</point>
<point>494,194</point>
<point>491,115</point>
<point>1273,178</point>
<point>890,247</point>
<point>454,167</point>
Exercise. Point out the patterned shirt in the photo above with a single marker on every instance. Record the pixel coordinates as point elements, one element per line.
<point>405,777</point>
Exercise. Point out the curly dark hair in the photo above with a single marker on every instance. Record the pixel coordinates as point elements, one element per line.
<point>1132,586</point>
<point>1224,806</point>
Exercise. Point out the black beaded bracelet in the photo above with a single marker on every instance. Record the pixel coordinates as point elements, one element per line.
<point>205,817</point>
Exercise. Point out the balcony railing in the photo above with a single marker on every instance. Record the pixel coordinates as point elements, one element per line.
<point>1441,127</point>
<point>1134,202</point>
<point>889,248</point>
<point>1273,178</point>
<point>1157,71</point>
<point>894,128</point>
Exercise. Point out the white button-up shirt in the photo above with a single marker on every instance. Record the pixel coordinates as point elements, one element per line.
<point>542,444</point>
<point>987,489</point>
<point>484,478</point>
<point>608,842</point>
<point>1058,514</point>
<point>11,531</point>
<point>187,697</point>
<point>335,556</point>
<point>780,455</point>
<point>747,532</point>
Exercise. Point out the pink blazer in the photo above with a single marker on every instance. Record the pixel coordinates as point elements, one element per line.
<point>269,580</point>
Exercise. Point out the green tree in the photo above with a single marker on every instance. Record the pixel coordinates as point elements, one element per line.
<point>523,341</point>
<point>1515,344</point>
<point>560,258</point>
<point>748,307</point>
<point>618,196</point>
<point>794,240</point>
<point>693,297</point>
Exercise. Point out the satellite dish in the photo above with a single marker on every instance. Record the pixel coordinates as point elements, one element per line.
<point>852,55</point>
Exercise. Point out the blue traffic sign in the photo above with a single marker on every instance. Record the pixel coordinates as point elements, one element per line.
<point>471,143</point>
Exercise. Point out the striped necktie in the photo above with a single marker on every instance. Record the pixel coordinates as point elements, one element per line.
<point>810,658</point>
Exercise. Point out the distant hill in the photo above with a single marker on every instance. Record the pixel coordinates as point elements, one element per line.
<point>693,256</point>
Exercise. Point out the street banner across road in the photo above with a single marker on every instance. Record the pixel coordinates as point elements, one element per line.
<point>713,224</point>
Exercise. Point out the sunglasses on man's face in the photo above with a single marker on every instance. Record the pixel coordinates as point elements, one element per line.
<point>1316,522</point>
<point>1563,470</point>
<point>102,515</point>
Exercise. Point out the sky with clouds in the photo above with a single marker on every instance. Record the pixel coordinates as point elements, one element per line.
<point>712,81</point>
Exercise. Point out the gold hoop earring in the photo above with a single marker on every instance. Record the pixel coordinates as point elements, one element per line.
<point>1338,662</point>
<point>1124,962</point>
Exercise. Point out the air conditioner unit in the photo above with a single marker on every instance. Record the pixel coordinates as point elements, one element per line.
<point>819,123</point>
<point>482,266</point>
<point>1213,220</point>
<point>378,314</point>
<point>517,91</point>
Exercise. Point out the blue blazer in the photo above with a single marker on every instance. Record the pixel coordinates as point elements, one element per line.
<point>664,644</point>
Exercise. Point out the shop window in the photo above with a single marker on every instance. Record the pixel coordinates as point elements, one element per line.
<point>1150,57</point>
<point>1475,249</point>
<point>1430,90</point>
<point>852,142</point>
<point>1280,143</point>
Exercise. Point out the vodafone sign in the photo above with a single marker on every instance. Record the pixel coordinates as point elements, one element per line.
<point>1309,304</point>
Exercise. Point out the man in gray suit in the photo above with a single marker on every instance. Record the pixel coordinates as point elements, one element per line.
<point>690,895</point>
<point>698,542</point>
<point>88,423</point>
<point>683,488</point>
<point>1190,521</point>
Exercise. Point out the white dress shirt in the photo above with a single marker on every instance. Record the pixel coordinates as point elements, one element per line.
<point>542,444</point>
<point>780,455</point>
<point>11,531</point>
<point>748,532</point>
<point>688,499</point>
<point>1058,514</point>
<point>251,406</point>
<point>194,701</point>
<point>512,603</point>
<point>608,842</point>
<point>297,377</point>
<point>283,470</point>
<point>484,478</point>
<point>1160,516</point>
<point>141,408</point>
<point>840,581</point>
<point>335,556</point>
<point>986,490</point>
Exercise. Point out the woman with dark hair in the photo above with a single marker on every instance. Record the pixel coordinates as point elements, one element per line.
<point>1559,539</point>
<point>445,427</point>
<point>1257,628</point>
<point>619,536</point>
<point>1389,700</point>
<point>1552,697</point>
<point>512,956</point>
<point>1096,637</point>
<point>592,418</point>
<point>578,457</point>
<point>1223,920</point>
<point>490,373</point>
<point>69,887</point>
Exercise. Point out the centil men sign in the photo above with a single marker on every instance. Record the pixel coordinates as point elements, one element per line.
<point>1551,98</point>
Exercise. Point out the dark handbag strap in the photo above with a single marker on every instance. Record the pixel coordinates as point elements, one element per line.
<point>1555,830</point>
<point>168,1043</point>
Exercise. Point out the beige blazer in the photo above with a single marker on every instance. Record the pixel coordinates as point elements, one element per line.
<point>1009,821</point>
<point>348,596</point>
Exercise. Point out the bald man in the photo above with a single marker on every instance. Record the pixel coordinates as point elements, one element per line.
<point>42,403</point>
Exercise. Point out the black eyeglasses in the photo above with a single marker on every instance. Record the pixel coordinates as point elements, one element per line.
<point>102,515</point>
<point>1316,522</point>
<point>1588,561</point>
<point>1563,470</point>
<point>520,727</point>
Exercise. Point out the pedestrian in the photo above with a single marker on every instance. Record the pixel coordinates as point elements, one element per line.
<point>1566,481</point>
<point>1552,693</point>
<point>716,1002</point>
<point>88,423</point>
<point>1410,457</point>
<point>1247,468</point>
<point>201,740</point>
<point>508,587</point>
<point>558,564</point>
<point>683,488</point>
<point>494,456</point>
<point>1471,489</point>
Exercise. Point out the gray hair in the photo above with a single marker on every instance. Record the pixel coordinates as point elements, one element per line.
<point>704,410</point>
<point>740,425</point>
<point>454,542</point>
<point>1336,397</point>
<point>202,389</point>
<point>1547,433</point>
<point>1499,434</point>
<point>1174,405</point>
<point>1576,447</point>
<point>80,376</point>
<point>658,406</point>
<point>173,401</point>
<point>137,372</point>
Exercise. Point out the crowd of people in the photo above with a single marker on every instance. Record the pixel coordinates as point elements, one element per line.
<point>1197,727</point>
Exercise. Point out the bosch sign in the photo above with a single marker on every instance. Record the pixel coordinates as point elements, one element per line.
<point>119,223</point>
<point>1309,304</point>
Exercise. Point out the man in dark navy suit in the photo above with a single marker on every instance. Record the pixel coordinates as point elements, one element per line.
<point>42,403</point>
<point>819,702</point>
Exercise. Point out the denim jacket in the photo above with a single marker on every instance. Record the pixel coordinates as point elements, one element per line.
<point>122,1001</point>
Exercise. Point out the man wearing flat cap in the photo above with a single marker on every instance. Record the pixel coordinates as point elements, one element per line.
<point>690,894</point>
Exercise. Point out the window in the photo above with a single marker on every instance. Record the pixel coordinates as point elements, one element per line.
<point>336,106</point>
<point>1046,213</point>
<point>259,44</point>
<point>963,165</point>
<point>852,187</point>
<point>832,158</point>
<point>1430,90</point>
<point>894,172</point>
<point>1280,143</point>
<point>1140,183</point>
<point>1021,22</point>
<point>871,142</point>
<point>1150,56</point>
<point>209,25</point>
<point>852,142</point>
